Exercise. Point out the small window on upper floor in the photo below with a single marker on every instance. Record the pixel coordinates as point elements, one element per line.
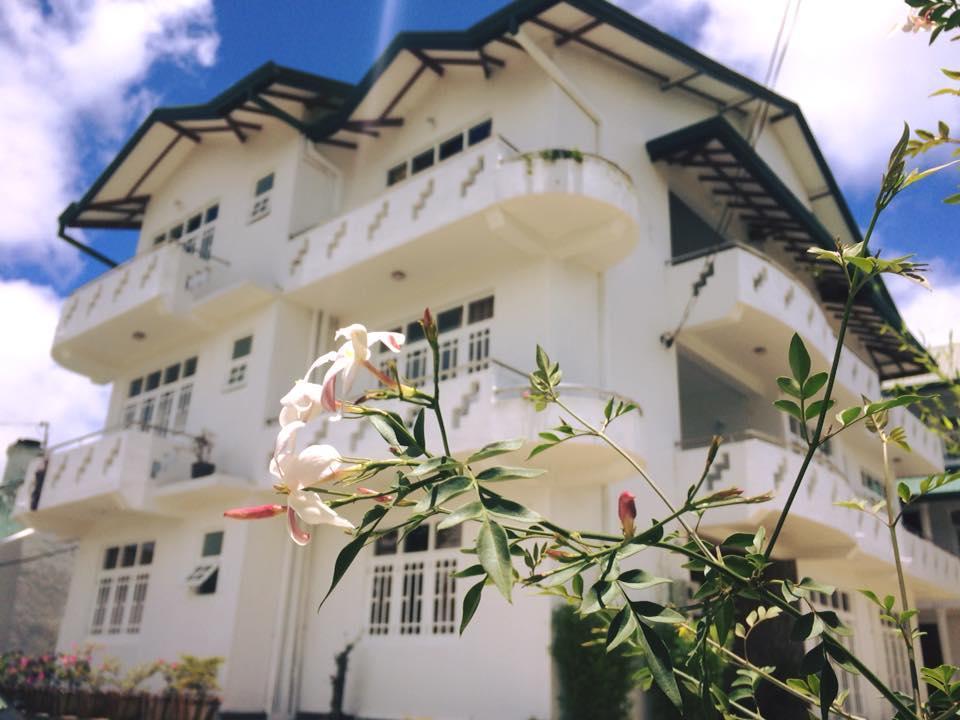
<point>194,223</point>
<point>237,374</point>
<point>171,374</point>
<point>480,310</point>
<point>190,366</point>
<point>397,173</point>
<point>158,240</point>
<point>479,132</point>
<point>153,380</point>
<point>203,579</point>
<point>452,146</point>
<point>422,161</point>
<point>211,214</point>
<point>176,232</point>
<point>450,319</point>
<point>135,387</point>
<point>261,198</point>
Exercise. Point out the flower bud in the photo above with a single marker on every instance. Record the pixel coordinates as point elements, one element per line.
<point>627,509</point>
<point>429,326</point>
<point>255,512</point>
<point>379,497</point>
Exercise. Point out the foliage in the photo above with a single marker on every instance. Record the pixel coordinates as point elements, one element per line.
<point>592,683</point>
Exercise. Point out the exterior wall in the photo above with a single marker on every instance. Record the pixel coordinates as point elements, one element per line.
<point>602,321</point>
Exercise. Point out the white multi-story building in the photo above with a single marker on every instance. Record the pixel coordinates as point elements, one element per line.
<point>560,173</point>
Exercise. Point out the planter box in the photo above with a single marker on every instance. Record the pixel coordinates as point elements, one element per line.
<point>113,705</point>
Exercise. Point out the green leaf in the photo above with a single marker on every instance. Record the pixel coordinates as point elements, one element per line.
<point>807,627</point>
<point>442,492</point>
<point>600,595</point>
<point>654,612</point>
<point>952,199</point>
<point>494,554</point>
<point>640,579</point>
<point>496,448</point>
<point>813,384</point>
<point>789,386</point>
<point>470,511</point>
<point>829,687</point>
<point>471,601</point>
<point>739,540</point>
<point>790,407</point>
<point>561,576</point>
<point>660,664</point>
<point>903,490</point>
<point>395,433</point>
<point>509,509</point>
<point>650,536</point>
<point>849,415</point>
<point>799,359</point>
<point>419,433</point>
<point>429,466</point>
<point>623,625</point>
<point>499,473</point>
<point>813,410</point>
<point>872,596</point>
<point>344,559</point>
<point>471,571</point>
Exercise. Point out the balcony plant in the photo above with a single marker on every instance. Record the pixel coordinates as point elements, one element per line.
<point>202,447</point>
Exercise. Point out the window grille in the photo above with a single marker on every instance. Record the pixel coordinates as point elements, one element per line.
<point>183,407</point>
<point>121,590</point>
<point>380,599</point>
<point>139,598</point>
<point>412,598</point>
<point>119,604</point>
<point>100,605</point>
<point>479,343</point>
<point>444,597</point>
<point>415,371</point>
<point>898,664</point>
<point>448,358</point>
<point>261,198</point>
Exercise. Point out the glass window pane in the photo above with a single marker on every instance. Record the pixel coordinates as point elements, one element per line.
<point>451,146</point>
<point>386,544</point>
<point>414,332</point>
<point>158,240</point>
<point>449,537</point>
<point>450,319</point>
<point>129,555</point>
<point>135,387</point>
<point>212,543</point>
<point>194,222</point>
<point>264,184</point>
<point>110,558</point>
<point>189,366</point>
<point>176,232</point>
<point>171,374</point>
<point>480,310</point>
<point>479,132</point>
<point>396,173</point>
<point>417,540</point>
<point>211,214</point>
<point>422,161</point>
<point>242,347</point>
<point>153,380</point>
<point>146,553</point>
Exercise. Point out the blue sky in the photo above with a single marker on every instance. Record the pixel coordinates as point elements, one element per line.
<point>77,77</point>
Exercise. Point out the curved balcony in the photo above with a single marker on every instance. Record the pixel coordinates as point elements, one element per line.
<point>748,308</point>
<point>146,305</point>
<point>485,403</point>
<point>115,471</point>
<point>817,529</point>
<point>479,209</point>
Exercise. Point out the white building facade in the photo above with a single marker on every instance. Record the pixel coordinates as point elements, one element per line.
<point>561,173</point>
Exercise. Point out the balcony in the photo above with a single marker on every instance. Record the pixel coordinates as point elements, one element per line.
<point>483,401</point>
<point>481,209</point>
<point>122,471</point>
<point>148,304</point>
<point>747,310</point>
<point>818,532</point>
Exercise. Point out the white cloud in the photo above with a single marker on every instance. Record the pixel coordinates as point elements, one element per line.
<point>855,77</point>
<point>32,387</point>
<point>65,65</point>
<point>932,316</point>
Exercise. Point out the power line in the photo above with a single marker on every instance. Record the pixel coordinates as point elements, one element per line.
<point>40,556</point>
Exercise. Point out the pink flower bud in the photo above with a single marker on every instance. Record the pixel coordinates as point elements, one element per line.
<point>380,497</point>
<point>627,510</point>
<point>255,512</point>
<point>559,554</point>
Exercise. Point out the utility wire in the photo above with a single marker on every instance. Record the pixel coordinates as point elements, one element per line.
<point>39,556</point>
<point>757,124</point>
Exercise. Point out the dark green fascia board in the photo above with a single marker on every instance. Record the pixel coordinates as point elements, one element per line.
<point>507,19</point>
<point>718,127</point>
<point>235,95</point>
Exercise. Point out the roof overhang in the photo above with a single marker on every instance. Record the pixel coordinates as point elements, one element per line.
<point>730,169</point>
<point>270,94</point>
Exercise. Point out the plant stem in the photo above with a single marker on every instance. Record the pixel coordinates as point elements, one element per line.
<point>742,708</point>
<point>814,443</point>
<point>643,473</point>
<point>436,398</point>
<point>891,497</point>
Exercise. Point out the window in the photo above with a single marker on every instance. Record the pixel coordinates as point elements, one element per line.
<point>450,319</point>
<point>135,387</point>
<point>479,132</point>
<point>171,374</point>
<point>183,408</point>
<point>193,224</point>
<point>451,147</point>
<point>237,374</point>
<point>176,232</point>
<point>189,366</point>
<point>164,410</point>
<point>898,665</point>
<point>121,589</point>
<point>872,483</point>
<point>203,579</point>
<point>480,310</point>
<point>153,381</point>
<point>396,174</point>
<point>146,414</point>
<point>158,240</point>
<point>422,161</point>
<point>261,198</point>
<point>165,397</point>
<point>413,590</point>
<point>840,603</point>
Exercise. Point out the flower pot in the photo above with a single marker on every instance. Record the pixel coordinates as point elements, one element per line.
<point>202,469</point>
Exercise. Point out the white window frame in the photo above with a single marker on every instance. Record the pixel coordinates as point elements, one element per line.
<point>237,370</point>
<point>161,421</point>
<point>120,592</point>
<point>261,203</point>
<point>414,594</point>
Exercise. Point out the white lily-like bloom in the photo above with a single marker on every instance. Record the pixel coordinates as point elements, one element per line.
<point>346,361</point>
<point>296,472</point>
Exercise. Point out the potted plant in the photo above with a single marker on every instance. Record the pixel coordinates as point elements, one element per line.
<point>202,444</point>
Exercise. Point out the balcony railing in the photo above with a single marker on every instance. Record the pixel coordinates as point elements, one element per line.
<point>592,195</point>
